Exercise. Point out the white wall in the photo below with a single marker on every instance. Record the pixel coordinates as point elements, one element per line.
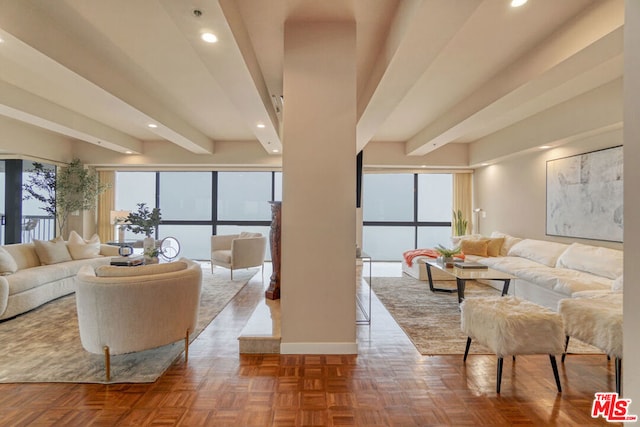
<point>631,344</point>
<point>513,192</point>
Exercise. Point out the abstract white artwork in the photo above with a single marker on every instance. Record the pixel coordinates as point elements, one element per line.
<point>584,196</point>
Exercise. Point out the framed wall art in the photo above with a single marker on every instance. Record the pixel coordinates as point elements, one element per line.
<point>585,195</point>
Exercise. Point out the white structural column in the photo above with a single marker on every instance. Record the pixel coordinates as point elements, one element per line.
<point>319,189</point>
<point>631,342</point>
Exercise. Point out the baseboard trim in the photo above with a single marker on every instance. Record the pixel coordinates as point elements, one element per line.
<point>319,348</point>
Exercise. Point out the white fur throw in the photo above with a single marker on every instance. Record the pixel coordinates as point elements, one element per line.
<point>596,320</point>
<point>509,326</point>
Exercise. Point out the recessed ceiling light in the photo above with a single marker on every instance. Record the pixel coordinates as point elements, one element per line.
<point>276,151</point>
<point>128,152</point>
<point>261,125</point>
<point>209,37</point>
<point>1,40</point>
<point>484,164</point>
<point>544,147</point>
<point>517,3</point>
<point>152,125</point>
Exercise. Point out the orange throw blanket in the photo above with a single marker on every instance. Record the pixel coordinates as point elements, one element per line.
<point>431,253</point>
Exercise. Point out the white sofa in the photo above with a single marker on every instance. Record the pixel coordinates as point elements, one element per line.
<point>32,274</point>
<point>547,272</point>
<point>127,309</point>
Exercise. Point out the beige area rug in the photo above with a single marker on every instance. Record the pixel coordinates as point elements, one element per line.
<point>44,345</point>
<point>431,320</point>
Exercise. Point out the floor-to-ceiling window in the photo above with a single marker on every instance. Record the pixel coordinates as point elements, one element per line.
<point>195,205</point>
<point>403,211</point>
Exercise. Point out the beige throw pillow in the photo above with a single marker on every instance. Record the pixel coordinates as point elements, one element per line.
<point>80,248</point>
<point>8,265</point>
<point>474,247</point>
<point>494,246</point>
<point>52,251</point>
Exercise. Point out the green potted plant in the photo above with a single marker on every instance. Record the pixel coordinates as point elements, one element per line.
<point>72,188</point>
<point>459,224</point>
<point>446,254</point>
<point>145,221</point>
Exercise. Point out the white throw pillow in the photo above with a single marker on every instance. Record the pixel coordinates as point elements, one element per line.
<point>541,251</point>
<point>80,248</point>
<point>52,251</point>
<point>508,243</point>
<point>8,265</point>
<point>596,260</point>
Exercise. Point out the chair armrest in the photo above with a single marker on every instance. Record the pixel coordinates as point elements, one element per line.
<point>248,252</point>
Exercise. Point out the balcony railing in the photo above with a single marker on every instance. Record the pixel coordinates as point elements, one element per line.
<point>39,227</point>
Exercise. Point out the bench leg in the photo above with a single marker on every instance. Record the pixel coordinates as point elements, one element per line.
<point>554,366</point>
<point>466,350</point>
<point>566,345</point>
<point>618,374</point>
<point>499,375</point>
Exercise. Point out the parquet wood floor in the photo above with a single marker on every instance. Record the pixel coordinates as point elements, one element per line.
<point>388,384</point>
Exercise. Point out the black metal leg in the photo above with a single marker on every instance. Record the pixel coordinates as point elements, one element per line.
<point>430,277</point>
<point>466,350</point>
<point>505,288</point>
<point>618,374</point>
<point>460,283</point>
<point>499,376</point>
<point>566,345</point>
<point>554,366</point>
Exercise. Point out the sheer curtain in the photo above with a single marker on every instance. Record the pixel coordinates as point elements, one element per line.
<point>462,197</point>
<point>106,203</point>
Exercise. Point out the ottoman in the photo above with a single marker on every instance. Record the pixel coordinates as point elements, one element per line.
<point>596,320</point>
<point>511,326</point>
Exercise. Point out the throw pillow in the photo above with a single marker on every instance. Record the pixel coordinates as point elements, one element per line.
<point>80,248</point>
<point>494,246</point>
<point>8,265</point>
<point>474,247</point>
<point>52,251</point>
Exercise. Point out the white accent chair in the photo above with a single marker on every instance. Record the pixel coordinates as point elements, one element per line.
<point>234,251</point>
<point>128,309</point>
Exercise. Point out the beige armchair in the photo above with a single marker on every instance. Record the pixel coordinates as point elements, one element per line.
<point>128,309</point>
<point>234,251</point>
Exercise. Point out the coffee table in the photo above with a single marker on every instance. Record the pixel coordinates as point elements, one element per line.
<point>463,274</point>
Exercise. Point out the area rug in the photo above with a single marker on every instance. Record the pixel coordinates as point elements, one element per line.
<point>44,345</point>
<point>431,320</point>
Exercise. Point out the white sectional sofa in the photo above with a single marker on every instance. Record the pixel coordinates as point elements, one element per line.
<point>32,274</point>
<point>547,272</point>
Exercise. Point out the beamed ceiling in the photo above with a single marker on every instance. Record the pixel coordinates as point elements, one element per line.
<point>429,72</point>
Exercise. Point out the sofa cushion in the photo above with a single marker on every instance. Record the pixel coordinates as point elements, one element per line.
<point>80,248</point>
<point>571,281</point>
<point>7,263</point>
<point>222,256</point>
<point>509,241</point>
<point>52,251</point>
<point>142,270</point>
<point>24,255</point>
<point>541,251</point>
<point>474,247</point>
<point>596,260</point>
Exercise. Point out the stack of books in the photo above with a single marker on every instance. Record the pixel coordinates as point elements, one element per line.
<point>128,261</point>
<point>469,264</point>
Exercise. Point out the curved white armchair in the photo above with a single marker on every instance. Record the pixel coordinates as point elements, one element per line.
<point>234,251</point>
<point>128,309</point>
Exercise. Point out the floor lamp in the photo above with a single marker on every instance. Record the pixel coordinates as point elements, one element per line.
<point>476,212</point>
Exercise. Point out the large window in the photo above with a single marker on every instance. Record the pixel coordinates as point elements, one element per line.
<point>195,205</point>
<point>405,211</point>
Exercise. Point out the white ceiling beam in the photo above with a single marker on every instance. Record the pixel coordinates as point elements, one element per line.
<point>21,105</point>
<point>398,67</point>
<point>64,52</point>
<point>591,40</point>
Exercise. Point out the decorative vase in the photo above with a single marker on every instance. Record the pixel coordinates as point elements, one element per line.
<point>446,261</point>
<point>148,246</point>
